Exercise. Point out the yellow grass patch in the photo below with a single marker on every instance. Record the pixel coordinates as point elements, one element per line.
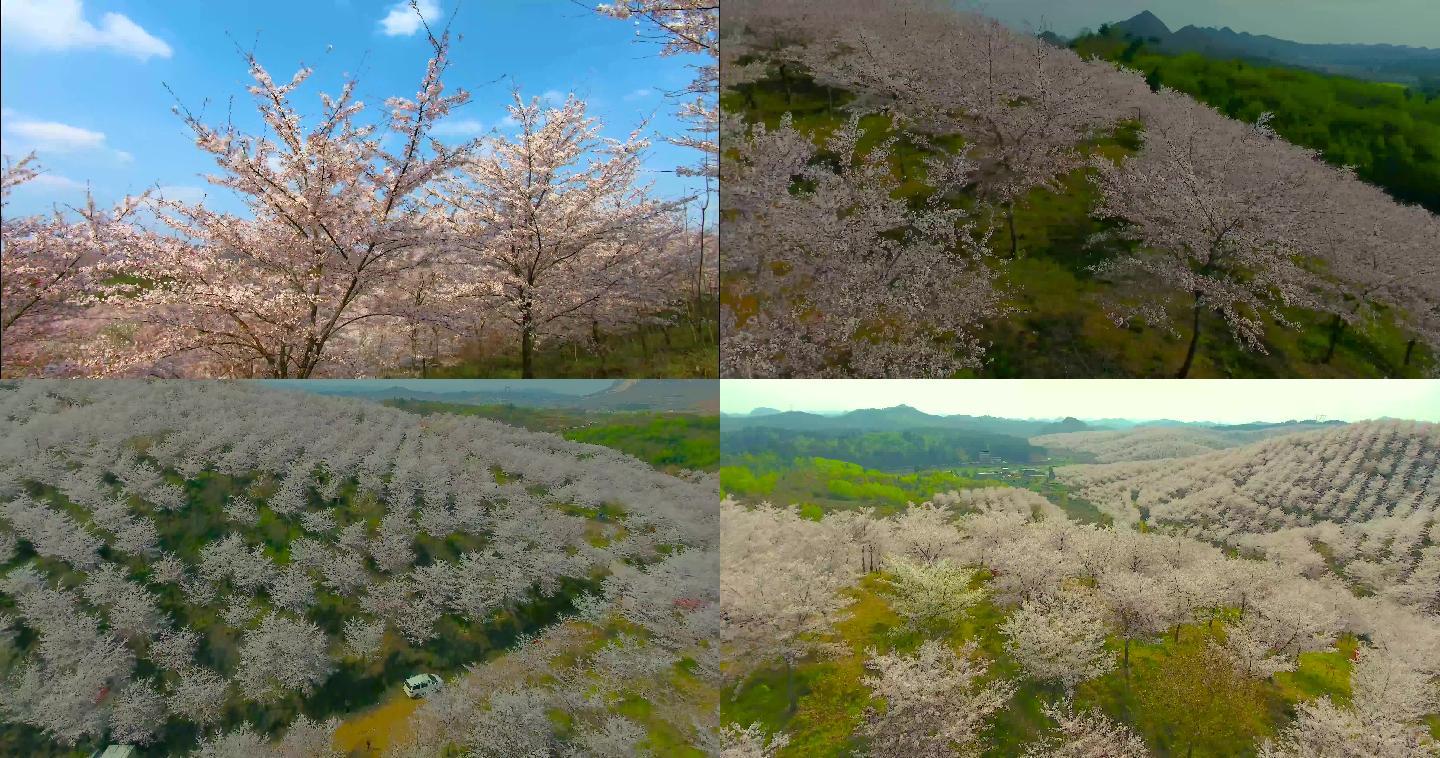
<point>378,727</point>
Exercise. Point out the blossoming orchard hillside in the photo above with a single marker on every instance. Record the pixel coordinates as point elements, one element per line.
<point>1154,442</point>
<point>914,189</point>
<point>237,569</point>
<point>954,577</point>
<point>1360,502</point>
<point>345,233</point>
<point>944,632</point>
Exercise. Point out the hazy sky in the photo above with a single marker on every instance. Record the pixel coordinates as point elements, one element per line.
<point>1229,401</point>
<point>1398,22</point>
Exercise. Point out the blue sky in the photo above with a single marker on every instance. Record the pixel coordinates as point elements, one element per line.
<point>82,81</point>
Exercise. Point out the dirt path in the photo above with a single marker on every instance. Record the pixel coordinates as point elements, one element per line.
<point>376,728</point>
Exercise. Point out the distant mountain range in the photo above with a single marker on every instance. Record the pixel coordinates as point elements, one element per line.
<point>1388,63</point>
<point>689,395</point>
<point>897,418</point>
<point>902,417</point>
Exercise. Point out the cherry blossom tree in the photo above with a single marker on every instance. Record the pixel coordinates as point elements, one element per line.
<point>137,713</point>
<point>690,26</point>
<point>1024,105</point>
<point>803,227</point>
<point>554,220</point>
<point>173,649</point>
<point>198,695</point>
<point>779,593</point>
<point>234,743</point>
<point>1086,734</point>
<point>1061,639</point>
<point>936,702</point>
<point>750,742</point>
<point>364,638</point>
<point>1223,207</point>
<point>1321,728</point>
<point>930,594</point>
<point>334,221</point>
<point>1135,606</point>
<point>306,738</point>
<point>283,654</point>
<point>54,270</point>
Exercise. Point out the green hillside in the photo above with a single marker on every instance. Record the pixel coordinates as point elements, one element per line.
<point>1388,132</point>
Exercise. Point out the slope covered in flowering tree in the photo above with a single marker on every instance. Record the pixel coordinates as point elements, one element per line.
<point>1061,639</point>
<point>1094,225</point>
<point>203,560</point>
<point>1147,443</point>
<point>1361,499</point>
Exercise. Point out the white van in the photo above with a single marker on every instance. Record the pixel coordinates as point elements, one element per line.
<point>421,685</point>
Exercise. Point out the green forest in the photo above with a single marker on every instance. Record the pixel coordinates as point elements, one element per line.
<point>910,449</point>
<point>1389,133</point>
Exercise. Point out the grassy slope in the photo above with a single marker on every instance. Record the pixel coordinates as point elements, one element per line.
<point>818,485</point>
<point>668,441</point>
<point>1057,324</point>
<point>674,352</point>
<point>832,698</point>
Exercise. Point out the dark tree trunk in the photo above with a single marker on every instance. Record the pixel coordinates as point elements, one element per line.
<point>599,344</point>
<point>1194,340</point>
<point>1337,327</point>
<point>1409,352</point>
<point>527,339</point>
<point>1014,237</point>
<point>789,687</point>
<point>527,352</point>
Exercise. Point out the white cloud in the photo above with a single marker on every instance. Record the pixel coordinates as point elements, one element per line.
<point>638,94</point>
<point>553,97</point>
<point>182,193</point>
<point>401,21</point>
<point>53,135</point>
<point>55,182</point>
<point>466,127</point>
<point>124,157</point>
<point>61,25</point>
